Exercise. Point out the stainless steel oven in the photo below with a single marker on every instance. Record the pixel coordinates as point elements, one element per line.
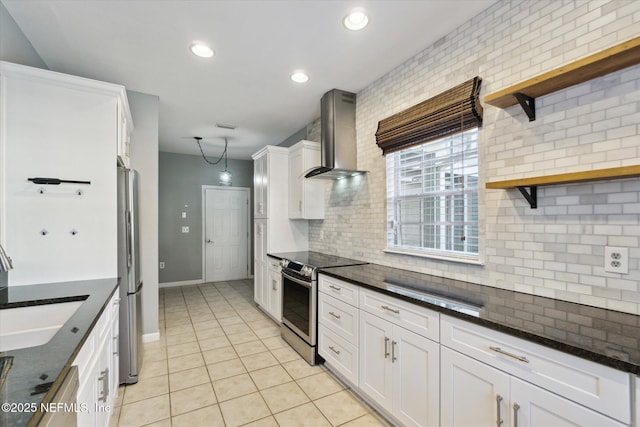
<point>299,298</point>
<point>299,309</point>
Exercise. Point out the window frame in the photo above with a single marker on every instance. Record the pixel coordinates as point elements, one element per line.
<point>446,198</point>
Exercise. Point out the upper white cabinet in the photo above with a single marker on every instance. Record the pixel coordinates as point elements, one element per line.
<point>125,125</point>
<point>66,127</point>
<point>260,181</point>
<point>306,196</point>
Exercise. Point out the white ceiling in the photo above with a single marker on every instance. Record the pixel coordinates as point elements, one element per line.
<point>144,45</point>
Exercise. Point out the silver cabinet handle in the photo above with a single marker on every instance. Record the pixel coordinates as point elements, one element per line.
<point>335,288</point>
<point>299,205</point>
<point>393,351</point>
<point>386,347</point>
<point>334,350</point>
<point>274,285</point>
<point>116,345</point>
<point>506,353</point>
<point>209,241</point>
<point>104,379</point>
<point>393,310</point>
<point>515,414</point>
<point>337,316</point>
<point>498,404</point>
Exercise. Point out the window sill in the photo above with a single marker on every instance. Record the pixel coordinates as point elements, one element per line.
<point>459,259</point>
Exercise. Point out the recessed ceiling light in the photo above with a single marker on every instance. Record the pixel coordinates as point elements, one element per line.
<point>300,76</point>
<point>202,50</point>
<point>356,20</point>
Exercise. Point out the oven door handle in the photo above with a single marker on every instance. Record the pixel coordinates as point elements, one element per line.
<point>296,280</point>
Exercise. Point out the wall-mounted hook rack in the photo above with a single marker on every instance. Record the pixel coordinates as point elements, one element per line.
<point>56,181</point>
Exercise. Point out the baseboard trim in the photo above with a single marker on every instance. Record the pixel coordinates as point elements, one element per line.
<point>154,336</point>
<point>182,283</point>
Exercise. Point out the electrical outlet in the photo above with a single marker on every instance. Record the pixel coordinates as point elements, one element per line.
<point>185,229</point>
<point>184,215</point>
<point>616,260</point>
<point>161,265</point>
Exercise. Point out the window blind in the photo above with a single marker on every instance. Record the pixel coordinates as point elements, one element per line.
<point>453,111</point>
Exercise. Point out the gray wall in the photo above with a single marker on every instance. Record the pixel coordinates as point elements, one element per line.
<point>181,179</point>
<point>14,46</point>
<point>144,158</point>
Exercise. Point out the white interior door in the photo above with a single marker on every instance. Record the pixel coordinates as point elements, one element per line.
<point>225,233</point>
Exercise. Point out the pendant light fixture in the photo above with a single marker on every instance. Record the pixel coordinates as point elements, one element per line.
<point>225,176</point>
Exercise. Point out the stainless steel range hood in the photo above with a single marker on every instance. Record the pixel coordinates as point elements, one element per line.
<point>338,136</point>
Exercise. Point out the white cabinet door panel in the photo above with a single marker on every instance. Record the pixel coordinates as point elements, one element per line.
<point>375,351</point>
<point>416,386</point>
<point>532,406</point>
<point>472,393</point>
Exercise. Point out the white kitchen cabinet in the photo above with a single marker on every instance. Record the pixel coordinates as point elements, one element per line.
<point>339,326</point>
<point>533,406</point>
<point>275,289</point>
<point>474,393</point>
<point>260,261</point>
<point>98,369</point>
<point>59,126</point>
<point>273,231</point>
<point>399,370</point>
<point>306,196</point>
<point>260,187</point>
<point>124,132</point>
<point>592,385</point>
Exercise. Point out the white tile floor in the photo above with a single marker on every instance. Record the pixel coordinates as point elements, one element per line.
<point>221,362</point>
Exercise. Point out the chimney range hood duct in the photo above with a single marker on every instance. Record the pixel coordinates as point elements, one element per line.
<point>338,136</point>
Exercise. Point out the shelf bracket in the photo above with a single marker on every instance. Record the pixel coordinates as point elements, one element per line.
<point>531,195</point>
<point>528,104</point>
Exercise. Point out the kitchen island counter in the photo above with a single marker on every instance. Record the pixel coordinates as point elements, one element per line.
<point>36,372</point>
<point>608,337</point>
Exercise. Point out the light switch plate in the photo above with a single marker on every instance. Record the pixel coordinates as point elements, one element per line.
<point>616,260</point>
<point>185,229</point>
<point>184,214</point>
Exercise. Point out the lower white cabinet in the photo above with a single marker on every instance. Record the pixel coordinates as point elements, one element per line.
<point>475,394</point>
<point>98,364</point>
<point>399,371</point>
<point>274,289</point>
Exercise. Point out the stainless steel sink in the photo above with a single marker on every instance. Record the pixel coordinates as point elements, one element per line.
<point>32,326</point>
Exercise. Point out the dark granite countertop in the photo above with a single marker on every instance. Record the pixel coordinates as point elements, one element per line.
<point>36,366</point>
<point>604,336</point>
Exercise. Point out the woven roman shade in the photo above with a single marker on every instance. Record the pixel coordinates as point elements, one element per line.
<point>450,112</point>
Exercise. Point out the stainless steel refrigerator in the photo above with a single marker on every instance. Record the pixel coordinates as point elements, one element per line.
<point>130,342</point>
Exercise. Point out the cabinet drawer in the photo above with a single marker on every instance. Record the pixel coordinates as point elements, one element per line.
<point>338,354</point>
<point>339,317</point>
<point>339,289</point>
<point>417,319</point>
<point>595,386</point>
<point>274,265</point>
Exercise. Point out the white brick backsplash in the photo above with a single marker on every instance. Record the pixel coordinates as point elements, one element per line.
<point>556,250</point>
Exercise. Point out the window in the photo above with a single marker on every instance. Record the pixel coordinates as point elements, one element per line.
<point>432,197</point>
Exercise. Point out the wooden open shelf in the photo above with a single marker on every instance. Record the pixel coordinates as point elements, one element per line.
<point>615,58</point>
<point>563,178</point>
